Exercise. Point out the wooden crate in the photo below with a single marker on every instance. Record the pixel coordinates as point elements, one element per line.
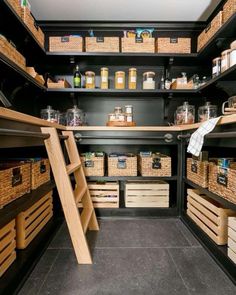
<point>93,165</point>
<point>7,246</point>
<point>122,166</point>
<point>60,84</point>
<point>102,44</point>
<point>210,30</point>
<point>65,44</point>
<point>229,9</point>
<point>133,45</point>
<point>173,45</point>
<point>30,222</point>
<point>14,181</point>
<point>154,165</point>
<point>197,172</point>
<point>15,4</point>
<point>147,194</point>
<point>209,215</point>
<point>232,238</point>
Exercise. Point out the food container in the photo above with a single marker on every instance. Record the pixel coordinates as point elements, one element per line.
<point>111,117</point>
<point>104,78</point>
<point>207,112</point>
<point>232,58</point>
<point>120,80</point>
<point>119,115</point>
<point>231,105</point>
<point>185,114</point>
<point>233,45</point>
<point>129,109</point>
<point>216,67</point>
<point>49,114</point>
<point>74,116</point>
<point>149,80</point>
<point>132,78</point>
<point>89,79</point>
<point>225,60</point>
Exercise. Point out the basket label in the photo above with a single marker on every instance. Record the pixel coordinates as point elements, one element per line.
<point>42,168</point>
<point>208,28</point>
<point>100,39</point>
<point>121,164</point>
<point>16,178</point>
<point>173,40</point>
<point>65,39</point>
<point>88,163</point>
<point>156,163</point>
<point>222,176</point>
<point>194,167</point>
<point>138,40</point>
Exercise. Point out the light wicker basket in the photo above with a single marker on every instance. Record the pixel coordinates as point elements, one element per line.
<point>173,45</point>
<point>154,165</point>
<point>65,44</point>
<point>125,165</point>
<point>93,164</point>
<point>197,172</point>
<point>40,172</point>
<point>15,4</point>
<point>229,9</point>
<point>60,84</point>
<point>102,44</point>
<point>14,181</point>
<point>133,45</point>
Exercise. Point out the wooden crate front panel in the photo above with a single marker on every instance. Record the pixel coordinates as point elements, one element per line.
<point>197,172</point>
<point>30,222</point>
<point>40,173</point>
<point>229,9</point>
<point>107,44</point>
<point>209,216</point>
<point>145,166</point>
<point>7,246</point>
<point>130,170</point>
<point>173,45</point>
<point>65,44</point>
<point>232,255</point>
<point>147,194</point>
<point>130,45</point>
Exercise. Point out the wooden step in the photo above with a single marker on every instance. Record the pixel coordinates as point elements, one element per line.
<point>79,193</point>
<point>85,218</point>
<point>72,168</point>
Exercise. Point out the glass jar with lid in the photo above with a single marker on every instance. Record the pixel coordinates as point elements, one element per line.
<point>149,80</point>
<point>49,114</point>
<point>185,114</point>
<point>132,78</point>
<point>207,112</point>
<point>232,59</point>
<point>104,78</point>
<point>120,80</point>
<point>119,115</point>
<point>89,79</point>
<point>216,67</point>
<point>225,60</point>
<point>74,116</point>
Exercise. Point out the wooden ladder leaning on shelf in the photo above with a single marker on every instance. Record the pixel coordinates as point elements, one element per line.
<point>77,223</point>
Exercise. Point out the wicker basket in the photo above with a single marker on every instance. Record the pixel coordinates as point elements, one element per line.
<point>123,165</point>
<point>93,164</point>
<point>133,45</point>
<point>14,181</point>
<point>173,45</point>
<point>102,44</point>
<point>229,9</point>
<point>15,4</point>
<point>197,172</point>
<point>66,44</point>
<point>222,181</point>
<point>154,165</point>
<point>210,30</point>
<point>40,172</point>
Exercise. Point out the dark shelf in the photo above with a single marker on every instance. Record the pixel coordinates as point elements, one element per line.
<point>123,178</point>
<point>219,253</point>
<point>8,212</point>
<point>227,204</point>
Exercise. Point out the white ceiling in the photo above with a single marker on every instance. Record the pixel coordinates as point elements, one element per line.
<point>123,10</point>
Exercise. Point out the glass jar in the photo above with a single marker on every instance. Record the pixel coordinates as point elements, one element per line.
<point>216,64</point>
<point>149,80</point>
<point>89,79</point>
<point>185,114</point>
<point>207,112</point>
<point>184,78</point>
<point>74,116</point>
<point>104,78</point>
<point>129,109</point>
<point>232,58</point>
<point>111,117</point>
<point>231,105</point>
<point>225,60</point>
<point>132,78</point>
<point>120,80</point>
<point>119,115</point>
<point>49,114</point>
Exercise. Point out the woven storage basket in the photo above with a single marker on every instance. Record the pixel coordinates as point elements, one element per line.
<point>14,181</point>
<point>154,165</point>
<point>125,165</point>
<point>210,30</point>
<point>197,172</point>
<point>93,165</point>
<point>40,172</point>
<point>66,44</point>
<point>223,181</point>
<point>15,4</point>
<point>102,44</point>
<point>173,45</point>
<point>229,9</point>
<point>133,45</point>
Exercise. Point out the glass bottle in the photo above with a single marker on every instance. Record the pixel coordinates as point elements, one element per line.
<point>167,81</point>
<point>77,77</point>
<point>132,78</point>
<point>104,78</point>
<point>162,84</point>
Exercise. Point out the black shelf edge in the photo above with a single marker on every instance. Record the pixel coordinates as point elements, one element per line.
<point>20,71</point>
<point>227,204</point>
<point>123,178</point>
<point>10,211</point>
<point>218,253</point>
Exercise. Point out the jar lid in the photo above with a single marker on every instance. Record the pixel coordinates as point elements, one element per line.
<point>226,51</point>
<point>233,45</point>
<point>132,69</point>
<point>104,69</point>
<point>120,72</point>
<point>90,73</point>
<point>148,73</point>
<point>217,58</point>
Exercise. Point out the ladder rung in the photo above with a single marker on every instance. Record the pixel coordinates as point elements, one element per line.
<point>85,217</point>
<point>72,168</point>
<point>79,194</point>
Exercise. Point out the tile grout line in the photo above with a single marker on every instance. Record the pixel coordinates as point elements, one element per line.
<point>153,247</point>
<point>199,246</point>
<point>178,271</point>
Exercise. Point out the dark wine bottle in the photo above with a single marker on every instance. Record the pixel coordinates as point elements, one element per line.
<point>77,77</point>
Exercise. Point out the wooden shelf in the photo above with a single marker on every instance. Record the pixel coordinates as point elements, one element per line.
<point>134,178</point>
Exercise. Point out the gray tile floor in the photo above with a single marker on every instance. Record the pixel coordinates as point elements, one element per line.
<point>141,256</point>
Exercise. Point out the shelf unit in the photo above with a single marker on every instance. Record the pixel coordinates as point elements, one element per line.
<point>122,178</point>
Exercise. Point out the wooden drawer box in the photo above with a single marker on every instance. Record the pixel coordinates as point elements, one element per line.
<point>14,181</point>
<point>173,45</point>
<point>30,222</point>
<point>146,194</point>
<point>7,246</point>
<point>229,9</point>
<point>232,238</point>
<point>122,165</point>
<point>154,165</point>
<point>132,45</point>
<point>102,44</point>
<point>65,44</point>
<point>15,4</point>
<point>197,172</point>
<point>93,164</point>
<point>209,215</point>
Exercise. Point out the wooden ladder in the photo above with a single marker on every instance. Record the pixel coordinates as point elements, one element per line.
<point>77,222</point>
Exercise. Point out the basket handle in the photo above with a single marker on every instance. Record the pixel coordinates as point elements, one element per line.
<point>43,168</point>
<point>16,177</point>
